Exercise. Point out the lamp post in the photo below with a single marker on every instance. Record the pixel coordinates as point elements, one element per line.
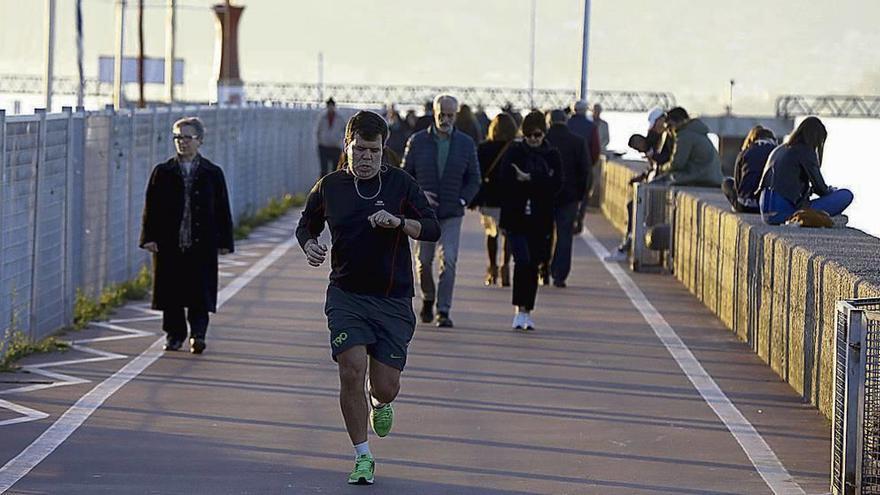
<point>585,53</point>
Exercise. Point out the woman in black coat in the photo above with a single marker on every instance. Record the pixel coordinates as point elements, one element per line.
<point>186,223</point>
<point>502,132</point>
<point>530,178</point>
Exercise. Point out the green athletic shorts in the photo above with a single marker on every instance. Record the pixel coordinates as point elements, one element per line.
<point>385,325</point>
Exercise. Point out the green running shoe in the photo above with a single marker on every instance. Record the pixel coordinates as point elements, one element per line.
<point>381,419</point>
<point>362,474</point>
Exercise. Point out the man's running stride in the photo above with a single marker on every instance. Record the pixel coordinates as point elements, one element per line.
<point>372,211</point>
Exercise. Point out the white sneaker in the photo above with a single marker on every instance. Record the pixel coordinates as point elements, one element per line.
<point>528,323</point>
<point>518,321</point>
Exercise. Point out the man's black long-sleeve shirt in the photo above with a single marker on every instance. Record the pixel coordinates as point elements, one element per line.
<point>363,259</point>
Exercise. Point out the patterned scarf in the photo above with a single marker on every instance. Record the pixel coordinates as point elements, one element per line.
<point>185,235</point>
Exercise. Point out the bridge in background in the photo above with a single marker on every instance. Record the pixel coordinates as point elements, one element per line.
<point>365,94</point>
<point>853,106</point>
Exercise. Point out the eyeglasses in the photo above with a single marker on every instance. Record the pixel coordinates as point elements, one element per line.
<point>184,137</point>
<point>535,135</point>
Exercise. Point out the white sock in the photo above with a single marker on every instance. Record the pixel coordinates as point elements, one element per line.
<point>362,448</point>
<point>376,404</point>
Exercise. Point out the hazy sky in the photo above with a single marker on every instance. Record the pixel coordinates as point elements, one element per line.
<point>691,48</point>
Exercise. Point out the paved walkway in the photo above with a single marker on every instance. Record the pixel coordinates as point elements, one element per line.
<point>592,402</point>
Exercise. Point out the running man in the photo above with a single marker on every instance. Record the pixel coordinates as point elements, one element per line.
<point>372,211</point>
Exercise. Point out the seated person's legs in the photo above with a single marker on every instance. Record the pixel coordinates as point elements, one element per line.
<point>775,209</point>
<point>833,203</point>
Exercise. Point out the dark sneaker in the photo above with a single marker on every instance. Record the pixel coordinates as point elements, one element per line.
<point>560,284</point>
<point>427,312</point>
<point>443,321</point>
<point>197,345</point>
<point>381,419</point>
<point>362,474</point>
<point>173,345</point>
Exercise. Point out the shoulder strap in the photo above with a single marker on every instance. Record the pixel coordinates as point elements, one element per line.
<point>498,158</point>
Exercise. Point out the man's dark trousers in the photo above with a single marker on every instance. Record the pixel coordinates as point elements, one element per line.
<point>329,157</point>
<point>564,217</point>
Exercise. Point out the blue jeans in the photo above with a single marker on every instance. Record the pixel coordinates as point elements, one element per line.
<point>447,245</point>
<point>775,209</point>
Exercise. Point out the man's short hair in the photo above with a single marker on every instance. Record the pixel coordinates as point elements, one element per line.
<point>677,114</point>
<point>366,124</point>
<point>194,122</point>
<point>556,116</point>
<point>580,107</point>
<point>444,96</point>
<point>330,101</point>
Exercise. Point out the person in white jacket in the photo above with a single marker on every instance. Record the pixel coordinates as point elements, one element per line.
<point>330,133</point>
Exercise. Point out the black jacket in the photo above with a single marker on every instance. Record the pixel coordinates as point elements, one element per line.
<point>490,189</point>
<point>748,168</point>
<point>211,231</point>
<point>793,173</point>
<point>575,163</point>
<point>527,207</point>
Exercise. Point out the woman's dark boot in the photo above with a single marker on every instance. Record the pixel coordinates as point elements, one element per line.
<point>491,276</point>
<point>505,276</point>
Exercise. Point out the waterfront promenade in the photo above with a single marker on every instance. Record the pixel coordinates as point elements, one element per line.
<point>629,386</point>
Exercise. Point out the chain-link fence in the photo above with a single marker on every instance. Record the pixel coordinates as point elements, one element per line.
<point>72,190</point>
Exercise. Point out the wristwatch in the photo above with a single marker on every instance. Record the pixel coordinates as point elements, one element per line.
<point>402,223</point>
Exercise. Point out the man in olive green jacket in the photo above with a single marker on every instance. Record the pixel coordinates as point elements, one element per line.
<point>695,160</point>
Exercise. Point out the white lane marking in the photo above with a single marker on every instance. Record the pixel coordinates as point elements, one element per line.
<point>27,414</point>
<point>74,417</point>
<point>753,444</point>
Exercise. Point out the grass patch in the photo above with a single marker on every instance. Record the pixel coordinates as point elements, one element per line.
<point>86,309</point>
<point>18,345</point>
<point>274,209</point>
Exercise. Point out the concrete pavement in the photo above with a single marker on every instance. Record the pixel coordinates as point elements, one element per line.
<point>591,402</point>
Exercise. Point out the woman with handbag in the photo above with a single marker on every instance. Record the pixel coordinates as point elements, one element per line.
<point>792,175</point>
<point>530,178</point>
<point>502,131</point>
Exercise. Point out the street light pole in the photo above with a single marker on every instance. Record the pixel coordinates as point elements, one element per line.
<point>585,54</point>
<point>120,45</point>
<point>50,52</point>
<point>532,59</point>
<point>170,28</point>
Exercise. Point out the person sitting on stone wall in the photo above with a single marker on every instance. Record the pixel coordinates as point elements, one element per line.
<point>695,160</point>
<point>742,189</point>
<point>792,175</point>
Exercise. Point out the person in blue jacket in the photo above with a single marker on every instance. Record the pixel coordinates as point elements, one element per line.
<point>792,175</point>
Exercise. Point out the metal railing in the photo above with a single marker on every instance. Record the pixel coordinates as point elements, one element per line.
<point>855,431</point>
<point>378,94</point>
<point>72,190</point>
<point>828,106</point>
